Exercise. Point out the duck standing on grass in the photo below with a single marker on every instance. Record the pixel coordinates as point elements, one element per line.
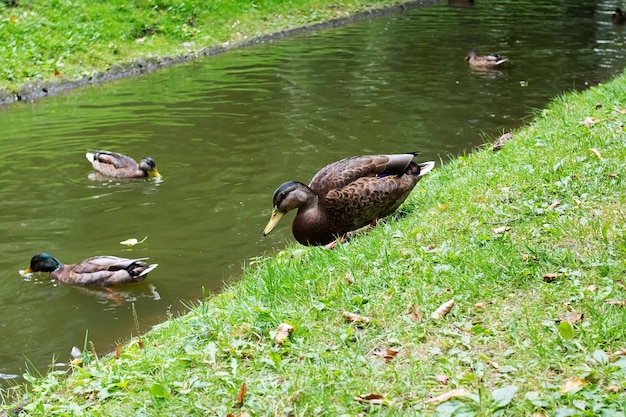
<point>485,61</point>
<point>347,195</point>
<point>116,165</point>
<point>98,270</point>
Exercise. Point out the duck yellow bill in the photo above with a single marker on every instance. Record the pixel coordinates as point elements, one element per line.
<point>274,219</point>
<point>26,271</point>
<point>156,173</point>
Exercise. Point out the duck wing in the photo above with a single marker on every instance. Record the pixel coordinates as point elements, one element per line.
<point>106,270</point>
<point>113,164</point>
<point>342,173</point>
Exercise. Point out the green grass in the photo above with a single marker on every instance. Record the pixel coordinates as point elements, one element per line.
<point>61,40</point>
<point>507,346</point>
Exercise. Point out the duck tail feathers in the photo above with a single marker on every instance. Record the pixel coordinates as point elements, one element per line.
<point>148,269</point>
<point>426,167</point>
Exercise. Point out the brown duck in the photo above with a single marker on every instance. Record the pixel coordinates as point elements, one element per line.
<point>98,270</point>
<point>485,61</point>
<point>112,164</point>
<point>347,195</point>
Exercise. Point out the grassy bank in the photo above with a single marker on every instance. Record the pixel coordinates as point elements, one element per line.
<point>47,44</point>
<point>530,244</point>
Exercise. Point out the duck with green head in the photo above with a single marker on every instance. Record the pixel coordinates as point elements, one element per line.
<point>97,270</point>
<point>116,165</point>
<point>347,195</point>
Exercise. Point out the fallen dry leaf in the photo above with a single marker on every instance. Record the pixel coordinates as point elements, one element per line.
<point>355,318</point>
<point>621,352</point>
<point>443,379</point>
<point>480,306</point>
<point>526,257</point>
<point>551,276</point>
<point>500,230</point>
<point>415,312</point>
<point>387,354</point>
<point>616,302</point>
<point>596,152</point>
<point>242,394</point>
<point>539,414</point>
<point>442,310</point>
<point>282,333</point>
<point>613,175</point>
<point>133,241</point>
<point>118,351</point>
<point>444,207</point>
<point>573,383</point>
<point>375,399</point>
<point>459,392</point>
<point>554,204</point>
<point>614,389</point>
<point>592,287</point>
<point>572,318</point>
<point>622,111</point>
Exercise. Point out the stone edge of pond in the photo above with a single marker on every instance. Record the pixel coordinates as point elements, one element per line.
<point>39,90</point>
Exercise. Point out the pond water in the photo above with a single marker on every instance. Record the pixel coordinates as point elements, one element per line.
<point>227,130</point>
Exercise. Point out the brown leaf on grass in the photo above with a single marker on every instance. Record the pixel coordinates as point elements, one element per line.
<point>282,333</point>
<point>616,302</point>
<point>443,379</point>
<point>242,394</point>
<point>621,352</point>
<point>526,257</point>
<point>613,175</point>
<point>500,230</point>
<point>387,354</point>
<point>597,153</point>
<point>349,278</point>
<point>415,312</point>
<point>242,414</point>
<point>501,141</point>
<point>538,414</point>
<point>13,19</point>
<point>459,392</point>
<point>551,276</point>
<point>554,205</point>
<point>118,351</point>
<point>572,318</point>
<point>356,318</point>
<point>375,399</point>
<point>573,383</point>
<point>442,310</point>
<point>622,111</point>
<point>614,389</point>
<point>592,287</point>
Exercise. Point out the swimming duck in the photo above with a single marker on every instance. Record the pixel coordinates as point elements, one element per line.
<point>485,61</point>
<point>347,195</point>
<point>98,270</point>
<point>618,17</point>
<point>116,165</point>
